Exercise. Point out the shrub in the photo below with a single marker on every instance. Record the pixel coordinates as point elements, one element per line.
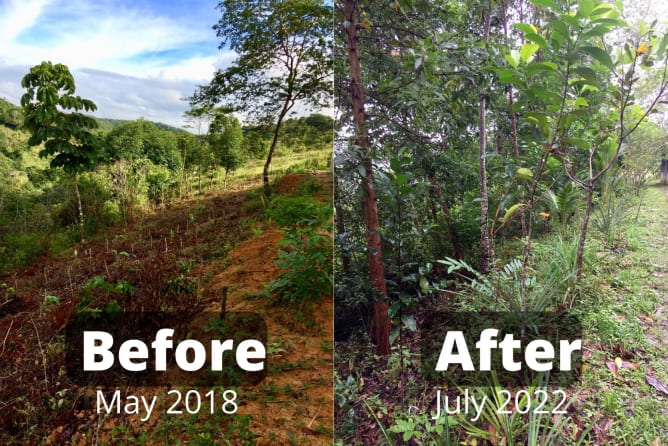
<point>298,212</point>
<point>307,269</point>
<point>306,257</point>
<point>19,249</point>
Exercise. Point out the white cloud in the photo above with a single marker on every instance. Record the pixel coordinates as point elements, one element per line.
<point>90,36</point>
<point>131,60</point>
<point>127,97</point>
<point>18,15</point>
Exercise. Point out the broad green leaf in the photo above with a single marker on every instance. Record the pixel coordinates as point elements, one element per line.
<point>643,27</point>
<point>554,163</point>
<point>509,77</point>
<point>604,9</point>
<point>662,46</point>
<point>571,20</point>
<point>512,211</point>
<point>540,40</point>
<point>541,67</point>
<point>395,164</point>
<point>513,58</point>
<point>549,97</point>
<point>597,31</point>
<point>542,120</point>
<point>623,57</point>
<point>561,28</point>
<point>577,142</point>
<point>607,21</point>
<point>588,87</point>
<point>581,102</point>
<point>528,50</point>
<point>585,7</point>
<point>401,179</point>
<point>600,55</point>
<point>526,28</point>
<point>586,72</point>
<point>405,5</point>
<point>545,3</point>
<point>524,174</point>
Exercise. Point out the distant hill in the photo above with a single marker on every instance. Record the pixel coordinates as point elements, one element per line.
<point>108,124</point>
<point>12,117</point>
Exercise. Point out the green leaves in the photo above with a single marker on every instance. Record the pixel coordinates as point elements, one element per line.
<point>542,120</point>
<point>585,7</point>
<point>50,90</point>
<point>292,38</point>
<point>599,55</point>
<point>545,4</point>
<point>527,51</point>
<point>513,58</point>
<point>512,211</point>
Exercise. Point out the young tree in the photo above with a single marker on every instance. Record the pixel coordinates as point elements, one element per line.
<point>284,57</point>
<point>66,136</point>
<point>581,95</point>
<point>226,139</point>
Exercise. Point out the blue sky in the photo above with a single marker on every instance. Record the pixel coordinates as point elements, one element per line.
<point>133,58</point>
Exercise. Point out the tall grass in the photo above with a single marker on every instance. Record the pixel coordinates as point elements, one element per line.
<point>282,165</point>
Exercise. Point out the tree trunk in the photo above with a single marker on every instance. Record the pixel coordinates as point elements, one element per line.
<point>374,254</point>
<point>485,243</point>
<point>511,101</point>
<point>184,174</point>
<point>454,235</point>
<point>274,143</point>
<point>81,215</point>
<point>341,229</point>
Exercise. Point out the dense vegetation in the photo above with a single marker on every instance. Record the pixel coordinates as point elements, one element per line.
<point>500,151</point>
<point>141,166</point>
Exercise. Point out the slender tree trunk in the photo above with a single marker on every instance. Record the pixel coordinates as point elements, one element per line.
<point>511,100</point>
<point>486,257</point>
<point>81,215</point>
<point>341,229</point>
<point>454,235</point>
<point>274,144</point>
<point>485,248</point>
<point>374,253</point>
<point>184,175</point>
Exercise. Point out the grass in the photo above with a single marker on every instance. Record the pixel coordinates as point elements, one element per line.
<point>281,165</point>
<point>626,324</point>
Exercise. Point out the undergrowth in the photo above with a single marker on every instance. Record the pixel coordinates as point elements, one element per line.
<point>619,300</point>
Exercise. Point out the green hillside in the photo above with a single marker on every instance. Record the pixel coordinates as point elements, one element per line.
<point>140,166</point>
